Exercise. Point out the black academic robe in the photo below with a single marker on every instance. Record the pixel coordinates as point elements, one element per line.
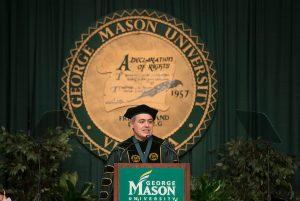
<point>161,151</point>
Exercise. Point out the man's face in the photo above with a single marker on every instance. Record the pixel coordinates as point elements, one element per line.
<point>1,197</point>
<point>142,126</point>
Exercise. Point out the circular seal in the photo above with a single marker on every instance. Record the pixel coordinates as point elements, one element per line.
<point>135,158</point>
<point>153,156</point>
<point>138,57</point>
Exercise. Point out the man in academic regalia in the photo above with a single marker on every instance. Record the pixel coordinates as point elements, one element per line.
<point>142,147</point>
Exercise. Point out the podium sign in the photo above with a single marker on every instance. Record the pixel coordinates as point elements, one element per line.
<point>156,181</point>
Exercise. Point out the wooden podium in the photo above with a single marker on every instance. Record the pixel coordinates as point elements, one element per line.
<point>152,181</point>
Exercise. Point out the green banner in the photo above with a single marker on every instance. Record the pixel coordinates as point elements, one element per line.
<point>151,184</point>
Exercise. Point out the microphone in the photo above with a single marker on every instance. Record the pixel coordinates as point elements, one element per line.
<point>130,145</point>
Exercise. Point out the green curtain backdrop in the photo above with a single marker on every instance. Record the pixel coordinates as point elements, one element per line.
<point>255,45</point>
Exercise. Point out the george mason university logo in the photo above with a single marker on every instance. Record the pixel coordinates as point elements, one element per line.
<point>147,189</point>
<point>138,57</point>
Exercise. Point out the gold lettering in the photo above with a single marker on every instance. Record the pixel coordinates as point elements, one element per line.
<point>196,61</point>
<point>105,35</point>
<point>129,25</point>
<point>202,88</point>
<point>202,80</point>
<point>199,70</point>
<point>76,102</point>
<point>82,59</point>
<point>76,80</point>
<point>181,40</point>
<point>120,28</point>
<point>202,95</point>
<point>168,32</point>
<point>75,91</point>
<point>191,53</point>
<point>78,69</point>
<point>88,50</point>
<point>142,24</point>
<point>151,25</point>
<point>187,48</point>
<point>202,104</point>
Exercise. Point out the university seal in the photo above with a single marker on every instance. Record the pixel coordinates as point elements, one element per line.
<point>138,57</point>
